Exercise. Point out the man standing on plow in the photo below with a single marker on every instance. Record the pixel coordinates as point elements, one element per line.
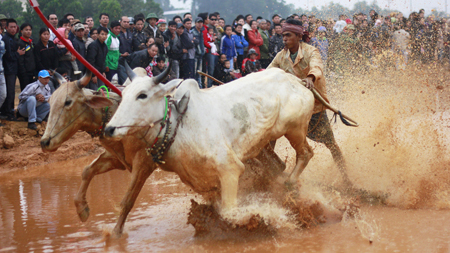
<point>304,61</point>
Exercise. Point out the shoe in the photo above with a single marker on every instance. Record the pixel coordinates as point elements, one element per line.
<point>32,125</point>
<point>11,118</point>
<point>77,72</point>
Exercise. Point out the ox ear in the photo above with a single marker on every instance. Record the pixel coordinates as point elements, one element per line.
<point>182,104</point>
<point>85,79</point>
<point>98,102</point>
<point>169,88</point>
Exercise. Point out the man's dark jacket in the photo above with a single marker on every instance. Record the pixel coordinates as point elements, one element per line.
<point>96,55</point>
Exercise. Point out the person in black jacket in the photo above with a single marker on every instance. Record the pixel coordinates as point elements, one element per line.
<point>10,65</point>
<point>27,63</point>
<point>78,45</point>
<point>139,37</point>
<point>144,57</point>
<point>45,52</point>
<point>125,48</point>
<point>96,56</point>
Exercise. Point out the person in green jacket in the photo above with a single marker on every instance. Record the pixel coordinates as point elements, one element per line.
<point>112,43</point>
<point>264,48</point>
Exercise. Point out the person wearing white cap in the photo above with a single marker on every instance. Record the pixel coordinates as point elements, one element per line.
<point>33,100</point>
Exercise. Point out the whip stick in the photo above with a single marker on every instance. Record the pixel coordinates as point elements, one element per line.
<point>35,6</point>
<point>318,97</point>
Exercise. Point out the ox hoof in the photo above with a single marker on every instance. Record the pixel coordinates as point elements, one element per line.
<point>84,213</point>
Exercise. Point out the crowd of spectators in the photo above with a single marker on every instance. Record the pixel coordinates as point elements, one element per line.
<point>224,49</point>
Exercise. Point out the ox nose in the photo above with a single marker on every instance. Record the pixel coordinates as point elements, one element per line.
<point>45,143</point>
<point>109,131</point>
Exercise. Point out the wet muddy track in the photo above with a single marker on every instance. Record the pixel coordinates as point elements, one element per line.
<point>398,158</point>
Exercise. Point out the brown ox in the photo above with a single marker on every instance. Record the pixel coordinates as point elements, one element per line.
<point>74,108</point>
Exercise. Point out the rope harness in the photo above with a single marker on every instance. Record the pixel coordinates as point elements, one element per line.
<point>162,144</point>
<point>106,115</point>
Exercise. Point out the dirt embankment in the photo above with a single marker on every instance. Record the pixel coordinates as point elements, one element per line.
<point>20,147</point>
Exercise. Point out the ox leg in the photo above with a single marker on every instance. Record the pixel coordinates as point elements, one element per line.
<point>139,175</point>
<point>304,153</point>
<point>229,180</point>
<point>104,163</point>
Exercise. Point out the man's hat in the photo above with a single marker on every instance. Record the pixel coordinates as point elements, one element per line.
<point>180,25</point>
<point>161,21</point>
<point>2,17</point>
<point>198,19</point>
<point>151,15</point>
<point>43,74</point>
<point>78,26</point>
<point>252,51</point>
<point>131,20</point>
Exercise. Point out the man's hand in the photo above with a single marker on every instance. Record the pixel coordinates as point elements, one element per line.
<point>40,98</point>
<point>125,54</point>
<point>309,83</point>
<point>73,58</point>
<point>166,44</point>
<point>21,51</point>
<point>185,51</point>
<point>94,79</point>
<point>107,69</point>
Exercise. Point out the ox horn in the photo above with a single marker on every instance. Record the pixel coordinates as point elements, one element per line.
<point>130,72</point>
<point>85,79</point>
<point>163,75</point>
<point>59,77</point>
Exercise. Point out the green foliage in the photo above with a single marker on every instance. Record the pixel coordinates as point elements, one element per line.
<point>112,7</point>
<point>11,8</point>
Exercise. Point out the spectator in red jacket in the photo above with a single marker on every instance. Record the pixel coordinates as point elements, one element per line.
<point>209,58</point>
<point>254,38</point>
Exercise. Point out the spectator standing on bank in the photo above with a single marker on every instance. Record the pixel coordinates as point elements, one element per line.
<point>264,48</point>
<point>152,30</point>
<point>240,43</point>
<point>79,46</point>
<point>104,20</point>
<point>10,65</point>
<point>227,46</point>
<point>139,37</point>
<point>160,67</point>
<point>199,47</point>
<point>276,42</point>
<point>187,42</point>
<point>2,75</point>
<point>45,52</point>
<point>27,63</point>
<point>125,47</point>
<point>53,19</point>
<point>96,56</point>
<point>254,38</point>
<point>93,34</point>
<point>113,44</point>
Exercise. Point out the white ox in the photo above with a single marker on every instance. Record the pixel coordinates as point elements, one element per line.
<point>221,128</point>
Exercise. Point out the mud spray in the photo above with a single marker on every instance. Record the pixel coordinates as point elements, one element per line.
<point>397,157</point>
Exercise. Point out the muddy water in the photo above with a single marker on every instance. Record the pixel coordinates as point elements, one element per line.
<point>399,158</point>
<point>37,215</point>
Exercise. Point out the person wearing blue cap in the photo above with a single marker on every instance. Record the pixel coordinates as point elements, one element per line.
<point>33,100</point>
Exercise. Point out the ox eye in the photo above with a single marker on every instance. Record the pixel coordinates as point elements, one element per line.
<point>142,96</point>
<point>68,102</point>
